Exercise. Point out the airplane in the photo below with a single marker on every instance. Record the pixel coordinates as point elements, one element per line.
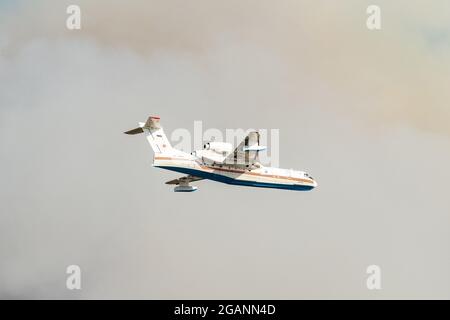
<point>218,162</point>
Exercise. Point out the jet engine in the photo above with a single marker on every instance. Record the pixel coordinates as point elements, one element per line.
<point>219,147</point>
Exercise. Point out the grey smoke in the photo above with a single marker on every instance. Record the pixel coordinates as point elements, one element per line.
<point>75,190</point>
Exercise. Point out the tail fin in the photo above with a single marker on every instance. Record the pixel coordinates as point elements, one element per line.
<point>155,135</point>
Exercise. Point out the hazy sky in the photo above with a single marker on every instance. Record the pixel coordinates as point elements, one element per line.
<point>365,112</point>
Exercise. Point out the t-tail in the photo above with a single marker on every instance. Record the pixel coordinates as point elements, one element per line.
<point>155,135</point>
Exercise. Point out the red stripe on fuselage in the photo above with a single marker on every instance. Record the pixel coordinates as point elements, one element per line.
<point>241,171</point>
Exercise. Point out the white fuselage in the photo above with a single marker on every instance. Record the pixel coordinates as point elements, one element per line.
<point>267,177</point>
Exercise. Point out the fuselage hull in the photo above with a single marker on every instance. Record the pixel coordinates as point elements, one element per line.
<point>234,176</point>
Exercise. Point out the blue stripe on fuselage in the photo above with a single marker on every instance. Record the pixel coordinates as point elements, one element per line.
<point>228,180</point>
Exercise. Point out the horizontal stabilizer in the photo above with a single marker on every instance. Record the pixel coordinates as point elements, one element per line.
<point>135,131</point>
<point>151,124</point>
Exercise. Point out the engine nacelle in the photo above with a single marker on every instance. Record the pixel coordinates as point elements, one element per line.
<point>219,147</point>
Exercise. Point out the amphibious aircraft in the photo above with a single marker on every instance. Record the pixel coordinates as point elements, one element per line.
<point>217,161</point>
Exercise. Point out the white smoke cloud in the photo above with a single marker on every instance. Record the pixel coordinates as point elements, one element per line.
<point>365,113</point>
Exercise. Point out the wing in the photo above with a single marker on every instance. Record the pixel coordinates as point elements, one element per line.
<point>184,180</point>
<point>246,153</point>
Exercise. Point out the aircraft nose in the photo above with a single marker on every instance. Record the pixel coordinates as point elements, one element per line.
<point>315,184</point>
